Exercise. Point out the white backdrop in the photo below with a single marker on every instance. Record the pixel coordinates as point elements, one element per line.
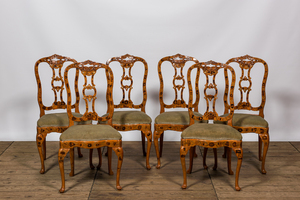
<point>98,30</point>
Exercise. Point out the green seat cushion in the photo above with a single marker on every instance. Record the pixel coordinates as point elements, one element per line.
<point>247,120</point>
<point>58,119</point>
<point>90,133</point>
<point>206,131</point>
<point>129,117</point>
<point>176,117</point>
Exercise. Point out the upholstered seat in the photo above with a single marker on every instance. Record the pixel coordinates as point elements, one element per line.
<point>175,117</point>
<point>57,119</point>
<point>214,132</point>
<point>90,133</point>
<point>247,120</point>
<point>130,117</point>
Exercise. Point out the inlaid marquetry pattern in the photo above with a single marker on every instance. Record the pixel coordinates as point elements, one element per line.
<point>178,62</point>
<point>56,63</point>
<point>210,70</point>
<point>88,69</point>
<point>246,64</point>
<point>127,62</point>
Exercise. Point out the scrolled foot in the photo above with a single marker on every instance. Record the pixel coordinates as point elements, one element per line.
<point>157,166</point>
<point>184,186</point>
<point>188,171</point>
<point>263,171</point>
<point>237,188</point>
<point>230,173</point>
<point>148,167</point>
<point>62,190</point>
<point>119,187</point>
<point>42,171</point>
<point>205,166</point>
<point>71,174</point>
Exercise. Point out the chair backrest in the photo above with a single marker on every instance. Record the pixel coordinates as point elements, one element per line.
<point>88,70</point>
<point>209,71</point>
<point>56,63</point>
<point>246,64</point>
<point>178,62</point>
<point>127,62</point>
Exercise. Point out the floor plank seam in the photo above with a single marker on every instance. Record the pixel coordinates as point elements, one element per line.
<point>93,184</point>
<point>295,147</point>
<point>6,148</point>
<point>209,177</point>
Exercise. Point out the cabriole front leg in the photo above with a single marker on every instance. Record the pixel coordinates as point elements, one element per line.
<point>148,135</point>
<point>119,152</point>
<point>239,154</point>
<point>183,152</point>
<point>157,135</point>
<point>265,139</point>
<point>61,156</point>
<point>40,138</point>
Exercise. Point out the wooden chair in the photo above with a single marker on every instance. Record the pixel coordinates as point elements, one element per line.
<point>245,122</point>
<point>90,136</point>
<point>133,119</point>
<point>206,134</point>
<point>173,120</point>
<point>53,122</point>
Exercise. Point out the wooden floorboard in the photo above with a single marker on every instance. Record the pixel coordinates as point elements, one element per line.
<point>20,177</point>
